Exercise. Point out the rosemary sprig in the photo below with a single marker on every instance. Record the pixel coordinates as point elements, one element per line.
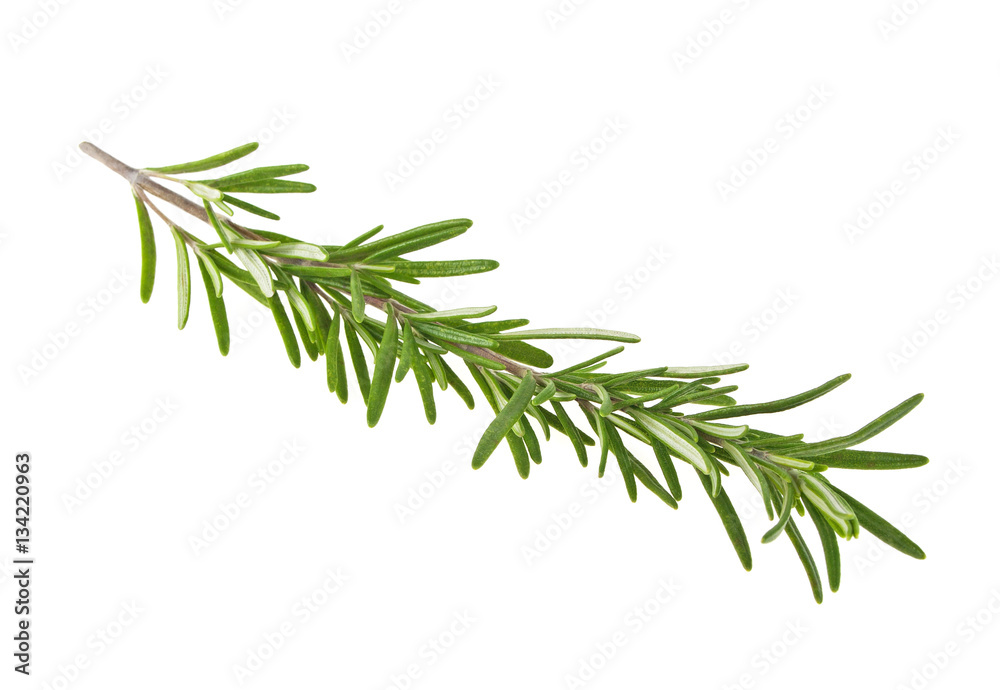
<point>347,295</point>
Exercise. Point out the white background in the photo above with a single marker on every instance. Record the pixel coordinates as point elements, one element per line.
<point>766,268</point>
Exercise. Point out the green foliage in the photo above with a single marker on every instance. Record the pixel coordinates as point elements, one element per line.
<point>345,299</point>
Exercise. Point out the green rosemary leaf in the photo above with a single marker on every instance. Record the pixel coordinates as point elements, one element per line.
<point>774,405</point>
<point>253,244</point>
<point>720,430</point>
<point>213,220</point>
<point>699,372</point>
<point>787,502</point>
<point>685,430</point>
<point>363,237</point>
<point>254,175</point>
<point>148,245</point>
<point>807,561</point>
<point>425,384</point>
<point>545,394</point>
<point>285,329</point>
<point>216,161</point>
<point>730,521</point>
<point>777,443</point>
<point>269,186</point>
<point>183,280</point>
<point>629,428</point>
<point>682,447</point>
<point>667,468</point>
<point>451,314</point>
<point>318,272</point>
<point>441,269</point>
<point>524,353</point>
<point>624,462</point>
<point>243,280</point>
<point>753,473</point>
<point>684,390</point>
<point>216,306</point>
<point>404,242</point>
<point>302,308</point>
<point>453,335</point>
<point>357,297</point>
<point>304,334</point>
<point>495,326</point>
<point>587,363</point>
<point>250,208</point>
<point>319,311</point>
<point>334,357</point>
<point>521,460</point>
<point>406,353</point>
<point>462,390</point>
<point>531,440</point>
<point>357,359</point>
<point>541,419</point>
<point>436,364</point>
<point>569,334</point>
<point>385,360</point>
<point>213,270</point>
<point>298,250</point>
<point>504,422</point>
<point>874,428</point>
<point>650,482</point>
<point>881,528</point>
<point>831,549</point>
<point>567,427</point>
<point>480,378</point>
<point>255,266</point>
<point>871,460</point>
<point>696,396</point>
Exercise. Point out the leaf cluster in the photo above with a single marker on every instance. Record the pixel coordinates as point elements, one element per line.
<point>347,306</point>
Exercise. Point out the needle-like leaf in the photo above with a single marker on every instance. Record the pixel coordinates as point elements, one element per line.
<point>505,421</point>
<point>730,520</point>
<point>148,245</point>
<point>183,280</point>
<point>216,161</point>
<point>216,306</point>
<point>385,360</point>
<point>285,329</point>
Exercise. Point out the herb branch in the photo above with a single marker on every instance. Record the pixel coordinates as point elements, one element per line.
<point>344,298</point>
